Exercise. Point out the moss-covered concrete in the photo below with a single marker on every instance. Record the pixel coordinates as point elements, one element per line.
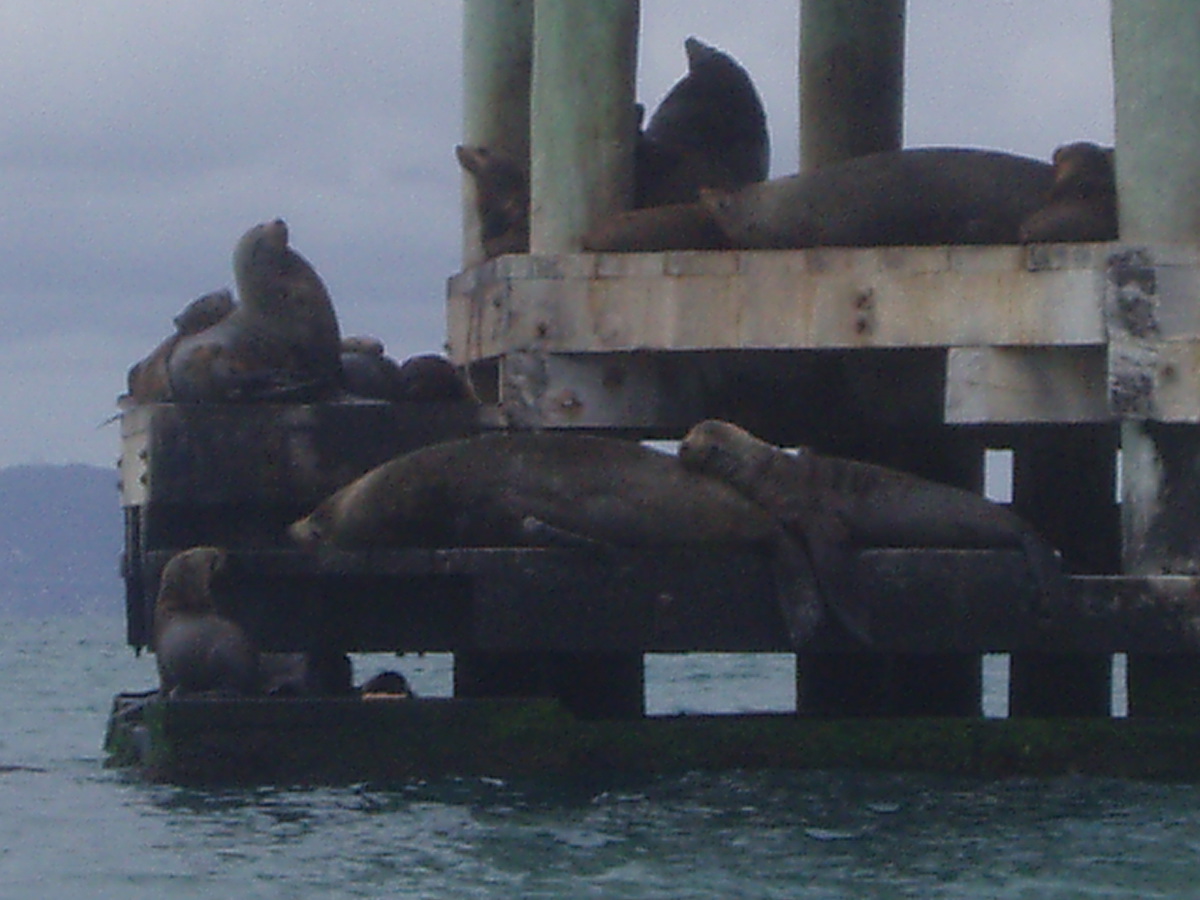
<point>340,741</point>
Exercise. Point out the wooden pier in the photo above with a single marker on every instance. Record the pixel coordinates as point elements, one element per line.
<point>1082,359</point>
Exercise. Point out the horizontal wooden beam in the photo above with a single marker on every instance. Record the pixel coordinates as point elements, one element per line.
<point>683,599</point>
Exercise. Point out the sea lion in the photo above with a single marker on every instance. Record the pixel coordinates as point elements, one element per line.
<point>501,199</point>
<point>280,341</point>
<point>1082,203</point>
<point>546,489</point>
<point>903,197</point>
<point>148,381</point>
<point>430,378</point>
<point>709,131</point>
<point>196,648</point>
<point>835,506</point>
<point>533,488</point>
<point>679,226</point>
<point>426,378</point>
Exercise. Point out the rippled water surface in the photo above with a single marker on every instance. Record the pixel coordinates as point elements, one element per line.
<point>70,829</point>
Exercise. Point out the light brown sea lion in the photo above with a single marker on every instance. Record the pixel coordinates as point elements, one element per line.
<point>904,197</point>
<point>709,131</point>
<point>679,226</point>
<point>280,341</point>
<point>148,381</point>
<point>1082,204</point>
<point>836,506</point>
<point>533,488</point>
<point>196,648</point>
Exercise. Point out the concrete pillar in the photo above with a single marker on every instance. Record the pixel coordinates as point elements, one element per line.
<point>584,124</point>
<point>1157,74</point>
<point>497,70</point>
<point>851,79</point>
<point>1160,500</point>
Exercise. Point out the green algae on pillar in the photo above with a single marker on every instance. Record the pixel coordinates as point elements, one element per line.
<point>851,79</point>
<point>584,125</point>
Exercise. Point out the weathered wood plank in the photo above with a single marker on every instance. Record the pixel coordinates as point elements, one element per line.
<point>676,600</point>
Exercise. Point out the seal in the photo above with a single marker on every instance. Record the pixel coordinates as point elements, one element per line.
<point>1082,203</point>
<point>545,489</point>
<point>709,131</point>
<point>501,199</point>
<point>835,506</point>
<point>148,381</point>
<point>280,341</point>
<point>196,648</point>
<point>678,226</point>
<point>933,195</point>
<point>533,488</point>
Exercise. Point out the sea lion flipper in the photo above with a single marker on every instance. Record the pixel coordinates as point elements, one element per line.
<point>543,534</point>
<point>833,562</point>
<point>796,590</point>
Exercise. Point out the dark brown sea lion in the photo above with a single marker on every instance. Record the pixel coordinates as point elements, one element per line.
<point>430,378</point>
<point>709,131</point>
<point>904,197</point>
<point>196,648</point>
<point>148,381</point>
<point>836,506</point>
<point>1082,204</point>
<point>426,378</point>
<point>532,488</point>
<point>501,199</point>
<point>280,341</point>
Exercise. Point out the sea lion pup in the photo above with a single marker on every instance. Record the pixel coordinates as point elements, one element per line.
<point>836,506</point>
<point>501,199</point>
<point>1082,203</point>
<point>148,381</point>
<point>430,378</point>
<point>280,341</point>
<point>709,131</point>
<point>196,648</point>
<point>933,195</point>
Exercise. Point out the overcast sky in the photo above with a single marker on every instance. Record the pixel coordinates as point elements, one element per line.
<point>139,139</point>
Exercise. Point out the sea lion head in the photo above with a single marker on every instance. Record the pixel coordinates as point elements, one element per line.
<point>1083,169</point>
<point>726,451</point>
<point>312,529</point>
<point>187,579</point>
<point>501,199</point>
<point>258,252</point>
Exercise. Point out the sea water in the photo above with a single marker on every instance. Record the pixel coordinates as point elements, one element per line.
<point>71,829</point>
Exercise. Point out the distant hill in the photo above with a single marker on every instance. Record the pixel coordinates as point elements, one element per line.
<point>60,539</point>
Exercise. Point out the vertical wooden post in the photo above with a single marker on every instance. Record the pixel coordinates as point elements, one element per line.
<point>584,122</point>
<point>1064,482</point>
<point>1157,92</point>
<point>851,79</point>
<point>497,69</point>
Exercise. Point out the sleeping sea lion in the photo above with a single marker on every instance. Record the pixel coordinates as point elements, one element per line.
<point>709,131</point>
<point>545,489</point>
<point>196,648</point>
<point>836,506</point>
<point>1082,203</point>
<point>533,488</point>
<point>903,197</point>
<point>148,381</point>
<point>280,341</point>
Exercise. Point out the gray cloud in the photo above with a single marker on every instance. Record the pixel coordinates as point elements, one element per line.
<point>139,139</point>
